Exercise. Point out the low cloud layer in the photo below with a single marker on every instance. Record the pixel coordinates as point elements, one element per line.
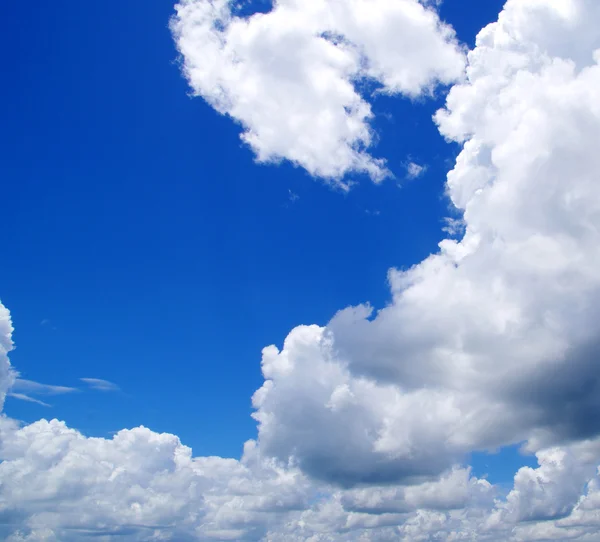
<point>364,424</point>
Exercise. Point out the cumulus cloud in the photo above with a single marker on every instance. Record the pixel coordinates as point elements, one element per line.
<point>493,340</point>
<point>7,374</point>
<point>364,424</point>
<point>140,484</point>
<point>290,77</point>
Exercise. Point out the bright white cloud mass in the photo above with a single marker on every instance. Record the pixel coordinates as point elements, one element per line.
<point>288,76</point>
<point>364,425</point>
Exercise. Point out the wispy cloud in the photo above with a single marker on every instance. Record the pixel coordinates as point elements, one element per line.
<point>23,397</point>
<point>454,226</point>
<point>48,323</point>
<point>22,385</point>
<point>414,170</point>
<point>100,384</point>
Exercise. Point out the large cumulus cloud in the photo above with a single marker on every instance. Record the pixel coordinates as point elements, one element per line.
<point>364,424</point>
<point>493,340</point>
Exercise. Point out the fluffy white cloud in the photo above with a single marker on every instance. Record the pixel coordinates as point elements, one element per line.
<point>289,77</point>
<point>139,483</point>
<point>364,423</point>
<point>494,340</point>
<point>7,375</point>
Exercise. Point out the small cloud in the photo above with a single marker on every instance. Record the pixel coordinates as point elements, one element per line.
<point>23,397</point>
<point>35,388</point>
<point>48,323</point>
<point>374,212</point>
<point>99,384</point>
<point>454,226</point>
<point>293,196</point>
<point>414,170</point>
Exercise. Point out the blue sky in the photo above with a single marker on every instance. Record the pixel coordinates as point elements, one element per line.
<point>158,254</point>
<point>147,248</point>
<point>185,185</point>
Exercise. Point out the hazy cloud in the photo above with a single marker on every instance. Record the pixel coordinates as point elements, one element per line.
<point>99,384</point>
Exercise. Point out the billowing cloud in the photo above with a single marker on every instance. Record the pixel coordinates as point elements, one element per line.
<point>7,375</point>
<point>495,339</point>
<point>364,424</point>
<point>140,485</point>
<point>290,76</point>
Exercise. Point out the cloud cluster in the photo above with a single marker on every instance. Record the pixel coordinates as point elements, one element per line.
<point>292,77</point>
<point>140,486</point>
<point>364,424</point>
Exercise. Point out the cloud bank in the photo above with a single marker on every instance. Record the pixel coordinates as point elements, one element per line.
<point>364,424</point>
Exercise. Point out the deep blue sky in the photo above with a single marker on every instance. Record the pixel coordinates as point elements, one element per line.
<point>158,255</point>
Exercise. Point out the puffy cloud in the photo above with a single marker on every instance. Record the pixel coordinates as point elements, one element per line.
<point>493,340</point>
<point>553,489</point>
<point>7,375</point>
<point>290,77</point>
<point>57,484</point>
<point>141,484</point>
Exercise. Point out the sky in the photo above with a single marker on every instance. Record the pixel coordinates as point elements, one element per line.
<point>324,270</point>
<point>147,248</point>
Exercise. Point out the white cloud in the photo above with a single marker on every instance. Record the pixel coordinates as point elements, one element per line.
<point>454,226</point>
<point>414,170</point>
<point>494,340</point>
<point>100,384</point>
<point>288,76</point>
<point>22,385</point>
<point>27,398</point>
<point>364,423</point>
<point>26,390</point>
<point>7,375</point>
